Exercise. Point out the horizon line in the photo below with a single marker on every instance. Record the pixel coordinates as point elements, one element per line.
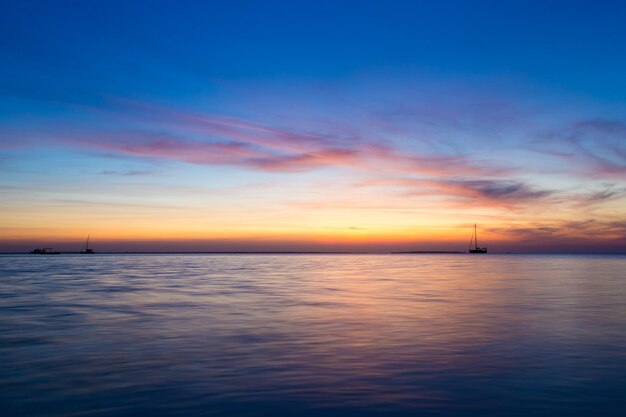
<point>315,253</point>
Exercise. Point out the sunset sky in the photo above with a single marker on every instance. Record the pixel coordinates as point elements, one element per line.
<point>323,125</point>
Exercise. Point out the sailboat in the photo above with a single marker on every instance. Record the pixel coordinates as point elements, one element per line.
<point>474,240</point>
<point>87,250</point>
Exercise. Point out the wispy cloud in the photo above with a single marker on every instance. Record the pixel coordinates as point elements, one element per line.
<point>594,148</point>
<point>474,192</point>
<point>609,193</point>
<point>293,150</point>
<point>498,190</point>
<point>585,230</point>
<point>208,139</point>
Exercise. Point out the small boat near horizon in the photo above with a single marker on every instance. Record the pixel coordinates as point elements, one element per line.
<point>45,251</point>
<point>88,250</point>
<point>474,240</point>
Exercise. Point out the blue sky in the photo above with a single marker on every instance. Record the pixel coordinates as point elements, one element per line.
<point>571,45</point>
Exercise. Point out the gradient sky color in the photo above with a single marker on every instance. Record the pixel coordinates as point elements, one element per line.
<point>326,125</point>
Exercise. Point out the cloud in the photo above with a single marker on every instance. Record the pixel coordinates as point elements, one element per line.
<point>340,147</point>
<point>609,193</point>
<point>604,195</point>
<point>593,148</point>
<point>230,128</point>
<point>586,229</point>
<point>499,190</point>
<point>461,110</point>
<point>247,155</point>
<point>481,192</point>
<point>306,161</point>
<point>172,135</point>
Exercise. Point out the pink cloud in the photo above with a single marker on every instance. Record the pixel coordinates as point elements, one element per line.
<point>286,147</point>
<point>218,140</point>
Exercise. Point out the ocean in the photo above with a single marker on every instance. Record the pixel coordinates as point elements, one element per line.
<point>312,335</point>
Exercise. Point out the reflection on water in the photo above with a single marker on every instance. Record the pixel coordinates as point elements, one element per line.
<point>329,335</point>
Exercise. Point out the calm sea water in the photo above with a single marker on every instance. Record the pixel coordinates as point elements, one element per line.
<point>312,335</point>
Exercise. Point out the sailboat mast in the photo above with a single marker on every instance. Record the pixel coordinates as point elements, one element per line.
<point>87,244</point>
<point>475,236</point>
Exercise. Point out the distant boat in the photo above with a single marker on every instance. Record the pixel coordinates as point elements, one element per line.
<point>44,251</point>
<point>87,250</point>
<point>474,240</point>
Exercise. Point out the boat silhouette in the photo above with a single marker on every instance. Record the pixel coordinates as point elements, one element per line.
<point>88,250</point>
<point>474,240</point>
<point>45,251</point>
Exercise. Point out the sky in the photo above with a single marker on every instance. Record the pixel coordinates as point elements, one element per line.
<point>369,126</point>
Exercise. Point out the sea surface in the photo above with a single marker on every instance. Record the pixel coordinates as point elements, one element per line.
<point>312,335</point>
